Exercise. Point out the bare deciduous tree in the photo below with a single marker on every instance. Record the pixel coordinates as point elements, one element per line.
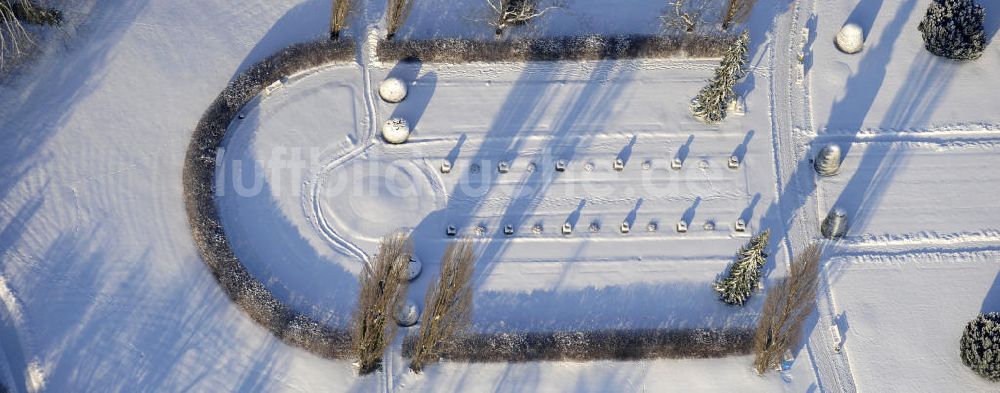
<point>684,15</point>
<point>789,302</point>
<point>382,286</point>
<point>12,33</point>
<point>515,12</point>
<point>339,11</point>
<point>396,12</point>
<point>13,36</point>
<point>447,306</point>
<point>736,11</point>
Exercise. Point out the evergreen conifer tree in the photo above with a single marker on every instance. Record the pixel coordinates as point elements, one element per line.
<point>737,287</point>
<point>954,29</point>
<point>713,100</point>
<point>980,346</point>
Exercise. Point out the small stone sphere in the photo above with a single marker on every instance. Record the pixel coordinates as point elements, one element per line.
<point>408,315</point>
<point>392,90</point>
<point>414,268</point>
<point>396,131</point>
<point>851,39</point>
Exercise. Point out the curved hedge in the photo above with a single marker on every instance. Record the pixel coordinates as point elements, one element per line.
<point>302,331</point>
<point>203,216</point>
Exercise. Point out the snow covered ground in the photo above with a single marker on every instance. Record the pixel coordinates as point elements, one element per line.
<point>102,289</point>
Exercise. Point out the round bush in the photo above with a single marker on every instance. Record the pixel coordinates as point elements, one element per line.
<point>396,130</point>
<point>392,90</point>
<point>408,314</point>
<point>850,39</point>
<point>980,346</point>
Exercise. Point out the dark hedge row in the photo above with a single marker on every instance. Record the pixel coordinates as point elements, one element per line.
<point>625,344</point>
<point>206,228</point>
<point>448,50</point>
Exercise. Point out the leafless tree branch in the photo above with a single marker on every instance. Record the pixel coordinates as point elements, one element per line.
<point>736,11</point>
<point>382,286</point>
<point>339,11</point>
<point>447,306</point>
<point>396,12</point>
<point>515,12</point>
<point>789,303</point>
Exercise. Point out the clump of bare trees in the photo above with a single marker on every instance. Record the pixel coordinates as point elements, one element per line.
<point>382,286</point>
<point>447,306</point>
<point>689,15</point>
<point>396,12</point>
<point>13,13</point>
<point>339,11</point>
<point>789,302</point>
<point>736,12</point>
<point>685,15</point>
<point>515,12</point>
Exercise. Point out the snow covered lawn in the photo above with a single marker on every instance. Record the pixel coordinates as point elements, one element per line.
<point>903,315</point>
<point>894,84</point>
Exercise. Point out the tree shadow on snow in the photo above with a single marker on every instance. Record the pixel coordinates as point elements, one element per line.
<point>306,21</point>
<point>691,305</point>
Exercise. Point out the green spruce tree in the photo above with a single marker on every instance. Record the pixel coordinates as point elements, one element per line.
<point>712,102</point>
<point>980,346</point>
<point>954,29</point>
<point>737,287</point>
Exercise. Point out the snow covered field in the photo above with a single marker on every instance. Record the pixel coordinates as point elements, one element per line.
<point>103,290</point>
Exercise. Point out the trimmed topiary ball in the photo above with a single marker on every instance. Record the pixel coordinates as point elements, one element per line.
<point>980,346</point>
<point>954,29</point>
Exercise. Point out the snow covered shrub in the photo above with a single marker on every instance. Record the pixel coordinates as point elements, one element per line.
<point>980,346</point>
<point>624,344</point>
<point>712,102</point>
<point>339,10</point>
<point>850,39</point>
<point>744,274</point>
<point>396,12</point>
<point>382,287</point>
<point>447,305</point>
<point>554,49</point>
<point>954,29</point>
<point>789,302</point>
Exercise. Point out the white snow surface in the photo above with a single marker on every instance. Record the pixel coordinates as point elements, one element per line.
<point>103,290</point>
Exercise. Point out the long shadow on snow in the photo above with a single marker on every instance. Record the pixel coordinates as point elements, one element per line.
<point>861,90</point>
<point>692,305</point>
<point>911,105</point>
<point>41,100</point>
<point>305,22</point>
<point>10,339</point>
<point>106,321</point>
